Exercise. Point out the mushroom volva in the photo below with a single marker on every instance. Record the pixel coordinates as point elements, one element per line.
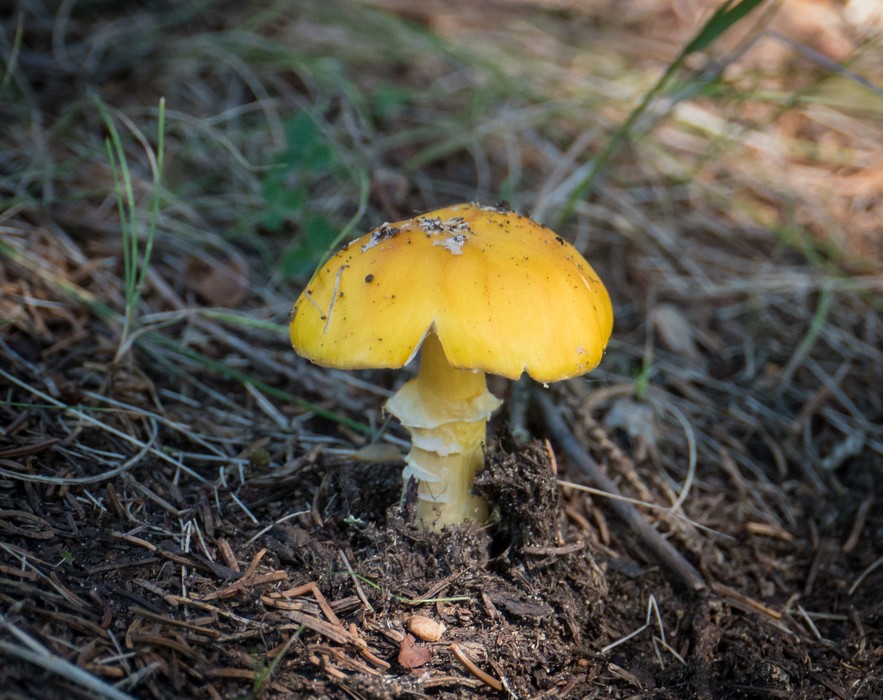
<point>474,289</point>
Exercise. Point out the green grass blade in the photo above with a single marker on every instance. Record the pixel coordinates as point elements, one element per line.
<point>157,186</point>
<point>721,21</point>
<point>724,18</point>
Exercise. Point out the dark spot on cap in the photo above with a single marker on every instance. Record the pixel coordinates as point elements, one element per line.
<point>369,278</point>
<point>559,239</point>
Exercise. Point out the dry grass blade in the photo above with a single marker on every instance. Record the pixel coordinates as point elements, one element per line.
<point>86,418</point>
<point>37,654</point>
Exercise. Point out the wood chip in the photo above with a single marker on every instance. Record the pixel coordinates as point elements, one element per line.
<point>336,633</point>
<point>241,673</point>
<point>518,606</point>
<point>227,554</point>
<point>159,640</point>
<point>766,530</point>
<point>732,595</point>
<point>25,450</point>
<point>24,524</point>
<point>172,622</point>
<point>554,551</point>
<point>244,584</point>
<point>343,659</point>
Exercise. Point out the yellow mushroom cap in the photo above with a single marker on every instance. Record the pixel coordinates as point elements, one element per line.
<point>504,294</point>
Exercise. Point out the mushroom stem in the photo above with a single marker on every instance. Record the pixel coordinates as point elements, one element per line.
<point>446,411</point>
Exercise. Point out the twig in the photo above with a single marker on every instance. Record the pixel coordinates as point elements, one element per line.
<point>485,678</point>
<point>662,548</point>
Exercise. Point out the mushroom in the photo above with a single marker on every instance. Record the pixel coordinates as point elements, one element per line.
<point>475,289</point>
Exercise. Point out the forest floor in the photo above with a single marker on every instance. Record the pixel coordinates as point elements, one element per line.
<point>188,509</point>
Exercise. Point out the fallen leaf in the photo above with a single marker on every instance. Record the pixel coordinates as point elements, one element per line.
<point>675,331</point>
<point>411,655</point>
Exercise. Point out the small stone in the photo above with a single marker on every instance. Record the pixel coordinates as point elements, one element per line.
<point>425,628</point>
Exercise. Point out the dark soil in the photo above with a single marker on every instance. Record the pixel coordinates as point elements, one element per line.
<point>533,599</point>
